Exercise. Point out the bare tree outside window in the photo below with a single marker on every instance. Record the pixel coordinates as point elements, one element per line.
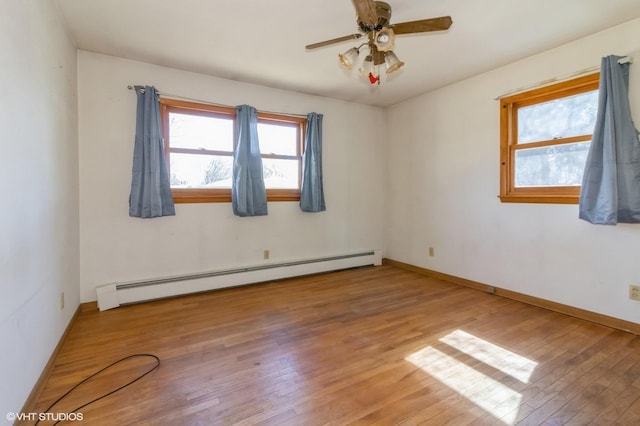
<point>216,171</point>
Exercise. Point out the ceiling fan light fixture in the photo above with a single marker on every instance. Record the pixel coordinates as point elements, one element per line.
<point>373,19</point>
<point>392,62</point>
<point>385,39</point>
<point>367,66</point>
<point>349,58</point>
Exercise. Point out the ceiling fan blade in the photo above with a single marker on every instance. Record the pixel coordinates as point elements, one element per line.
<point>366,12</point>
<point>423,25</point>
<point>333,41</point>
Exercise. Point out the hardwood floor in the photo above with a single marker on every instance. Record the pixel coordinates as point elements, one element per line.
<point>365,346</point>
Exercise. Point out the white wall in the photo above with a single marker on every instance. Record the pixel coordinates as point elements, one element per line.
<point>203,237</point>
<point>39,186</point>
<point>433,184</point>
<point>444,181</point>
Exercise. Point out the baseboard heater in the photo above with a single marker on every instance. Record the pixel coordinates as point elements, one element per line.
<point>113,295</point>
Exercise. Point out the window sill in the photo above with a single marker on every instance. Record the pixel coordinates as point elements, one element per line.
<point>188,196</point>
<point>546,199</point>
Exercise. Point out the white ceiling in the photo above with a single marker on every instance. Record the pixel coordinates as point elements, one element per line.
<point>262,42</point>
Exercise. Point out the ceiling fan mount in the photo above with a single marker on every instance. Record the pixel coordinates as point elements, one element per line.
<point>383,14</point>
<point>373,19</point>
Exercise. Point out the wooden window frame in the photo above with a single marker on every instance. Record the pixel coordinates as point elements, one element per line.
<point>223,195</point>
<point>509,144</point>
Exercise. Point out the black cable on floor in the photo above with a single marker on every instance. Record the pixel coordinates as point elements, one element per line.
<point>106,394</point>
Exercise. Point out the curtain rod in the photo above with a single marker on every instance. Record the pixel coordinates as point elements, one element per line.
<point>185,98</point>
<point>591,70</point>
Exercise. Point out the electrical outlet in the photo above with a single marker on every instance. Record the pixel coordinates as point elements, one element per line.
<point>266,254</point>
<point>432,252</point>
<point>62,300</point>
<point>634,292</point>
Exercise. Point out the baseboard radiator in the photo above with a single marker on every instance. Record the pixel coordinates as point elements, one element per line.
<point>113,295</point>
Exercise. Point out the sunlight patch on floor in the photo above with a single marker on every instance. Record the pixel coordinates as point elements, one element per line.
<point>499,358</point>
<point>492,396</point>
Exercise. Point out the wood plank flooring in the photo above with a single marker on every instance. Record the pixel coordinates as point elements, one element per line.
<point>365,346</point>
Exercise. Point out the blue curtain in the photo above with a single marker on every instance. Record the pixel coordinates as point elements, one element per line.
<point>150,190</point>
<point>248,194</point>
<point>312,191</point>
<point>611,182</point>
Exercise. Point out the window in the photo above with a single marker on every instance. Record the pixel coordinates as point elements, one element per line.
<point>199,143</point>
<point>544,141</point>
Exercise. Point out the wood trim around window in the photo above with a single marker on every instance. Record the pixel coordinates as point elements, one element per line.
<point>509,143</point>
<point>223,195</point>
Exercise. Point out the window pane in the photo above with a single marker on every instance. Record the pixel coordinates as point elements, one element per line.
<point>560,118</point>
<point>200,171</point>
<point>280,174</point>
<point>277,139</point>
<point>198,132</point>
<point>558,165</point>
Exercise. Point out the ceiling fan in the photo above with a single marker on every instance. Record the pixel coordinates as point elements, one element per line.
<point>373,19</point>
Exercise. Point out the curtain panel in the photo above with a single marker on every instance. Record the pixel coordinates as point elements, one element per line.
<point>611,182</point>
<point>312,191</point>
<point>150,194</point>
<point>248,193</point>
